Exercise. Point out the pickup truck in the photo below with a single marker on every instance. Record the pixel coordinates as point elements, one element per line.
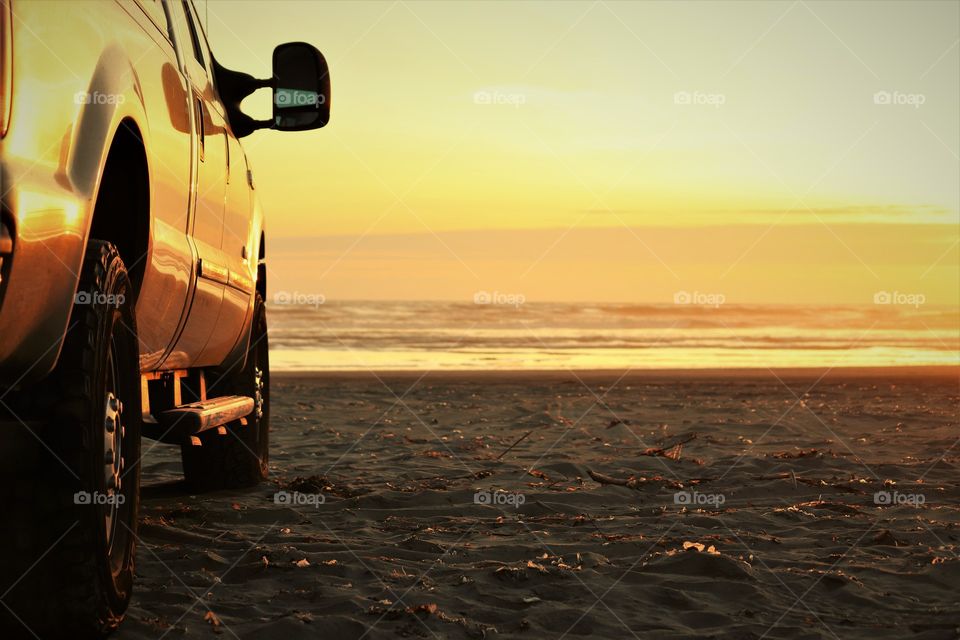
<point>132,286</point>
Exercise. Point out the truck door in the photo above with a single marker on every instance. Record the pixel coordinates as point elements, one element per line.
<point>168,266</point>
<point>237,214</point>
<point>209,154</point>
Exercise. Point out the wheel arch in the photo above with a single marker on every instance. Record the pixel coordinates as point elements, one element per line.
<point>74,181</point>
<point>121,212</point>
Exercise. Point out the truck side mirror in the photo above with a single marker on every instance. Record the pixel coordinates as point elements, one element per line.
<point>301,87</point>
<point>301,91</point>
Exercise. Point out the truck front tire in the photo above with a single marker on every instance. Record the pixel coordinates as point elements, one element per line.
<point>69,529</point>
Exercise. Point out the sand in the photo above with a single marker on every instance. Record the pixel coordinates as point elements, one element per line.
<point>763,523</point>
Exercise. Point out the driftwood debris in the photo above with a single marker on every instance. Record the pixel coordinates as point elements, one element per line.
<point>631,482</point>
<point>672,451</point>
<point>510,448</point>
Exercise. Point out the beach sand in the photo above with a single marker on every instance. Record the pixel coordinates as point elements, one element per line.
<point>765,522</point>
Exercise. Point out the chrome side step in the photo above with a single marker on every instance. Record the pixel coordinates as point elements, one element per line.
<point>175,426</point>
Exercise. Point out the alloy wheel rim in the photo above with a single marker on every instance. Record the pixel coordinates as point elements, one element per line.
<point>113,463</point>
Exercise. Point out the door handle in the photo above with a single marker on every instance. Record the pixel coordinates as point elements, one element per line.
<point>200,125</point>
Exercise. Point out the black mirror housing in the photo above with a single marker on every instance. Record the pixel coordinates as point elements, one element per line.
<point>301,91</point>
<point>301,87</point>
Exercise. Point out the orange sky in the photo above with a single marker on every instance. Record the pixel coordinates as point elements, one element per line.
<point>775,152</point>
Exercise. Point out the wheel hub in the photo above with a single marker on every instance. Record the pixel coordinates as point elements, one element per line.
<point>112,456</point>
<point>112,435</point>
<point>258,392</point>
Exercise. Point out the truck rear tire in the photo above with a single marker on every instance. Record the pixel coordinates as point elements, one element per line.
<point>239,457</point>
<point>68,532</point>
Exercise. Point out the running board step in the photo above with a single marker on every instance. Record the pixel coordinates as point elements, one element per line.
<point>176,425</point>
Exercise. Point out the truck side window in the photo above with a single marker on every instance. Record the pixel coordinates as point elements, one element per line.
<point>158,15</point>
<point>194,18</point>
<point>194,35</point>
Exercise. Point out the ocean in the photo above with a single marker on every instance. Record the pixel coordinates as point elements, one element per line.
<point>522,335</point>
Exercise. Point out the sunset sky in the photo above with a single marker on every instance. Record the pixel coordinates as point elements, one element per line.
<point>613,151</point>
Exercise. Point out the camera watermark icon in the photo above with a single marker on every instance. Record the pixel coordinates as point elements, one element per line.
<point>915,100</point>
<point>300,299</point>
<point>97,297</point>
<point>498,498</point>
<point>97,498</point>
<point>699,298</point>
<point>897,297</point>
<point>893,498</point>
<point>715,100</point>
<point>95,97</point>
<point>508,299</point>
<point>498,98</point>
<point>297,499</point>
<point>696,499</point>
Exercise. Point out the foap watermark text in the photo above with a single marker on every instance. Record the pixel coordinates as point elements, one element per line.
<point>299,298</point>
<point>697,499</point>
<point>699,298</point>
<point>297,499</point>
<point>499,498</point>
<point>899,298</point>
<point>499,298</point>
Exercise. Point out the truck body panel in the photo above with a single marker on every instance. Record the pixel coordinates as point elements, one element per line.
<point>80,72</point>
